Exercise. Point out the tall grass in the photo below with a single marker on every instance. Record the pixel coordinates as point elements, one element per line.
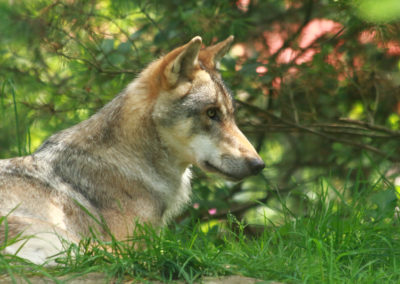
<point>8,86</point>
<point>338,240</point>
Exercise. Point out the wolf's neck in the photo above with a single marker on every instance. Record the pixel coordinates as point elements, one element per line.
<point>115,152</point>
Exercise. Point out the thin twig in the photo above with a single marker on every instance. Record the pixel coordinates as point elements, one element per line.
<point>369,126</point>
<point>330,128</point>
<point>370,148</point>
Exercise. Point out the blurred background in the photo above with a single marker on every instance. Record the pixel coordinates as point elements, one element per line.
<point>317,84</point>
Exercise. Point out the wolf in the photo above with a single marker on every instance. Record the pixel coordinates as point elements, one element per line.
<point>129,162</point>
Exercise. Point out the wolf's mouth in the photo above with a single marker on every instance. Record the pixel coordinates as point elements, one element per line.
<point>215,169</point>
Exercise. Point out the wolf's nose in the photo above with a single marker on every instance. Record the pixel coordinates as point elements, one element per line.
<point>256,165</point>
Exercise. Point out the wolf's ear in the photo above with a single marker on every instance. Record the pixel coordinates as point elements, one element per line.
<point>184,63</point>
<point>213,54</point>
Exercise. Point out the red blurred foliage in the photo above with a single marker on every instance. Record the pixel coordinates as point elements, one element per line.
<point>370,37</point>
<point>243,5</point>
<point>274,45</point>
<point>285,44</point>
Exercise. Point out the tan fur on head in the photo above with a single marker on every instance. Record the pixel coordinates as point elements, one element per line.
<point>179,63</point>
<point>210,56</point>
<point>182,62</point>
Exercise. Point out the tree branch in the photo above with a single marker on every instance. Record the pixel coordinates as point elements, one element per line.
<point>335,138</point>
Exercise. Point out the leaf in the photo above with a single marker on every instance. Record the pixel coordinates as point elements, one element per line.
<point>386,201</point>
<point>116,58</point>
<point>124,47</point>
<point>107,45</point>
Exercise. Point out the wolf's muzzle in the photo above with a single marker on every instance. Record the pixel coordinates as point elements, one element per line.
<point>256,165</point>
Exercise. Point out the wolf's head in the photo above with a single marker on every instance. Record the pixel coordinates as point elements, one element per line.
<point>194,112</point>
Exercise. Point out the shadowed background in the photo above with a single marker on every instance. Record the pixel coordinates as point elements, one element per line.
<point>316,82</point>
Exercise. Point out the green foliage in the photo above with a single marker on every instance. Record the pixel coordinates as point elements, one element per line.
<point>335,114</point>
<point>382,11</point>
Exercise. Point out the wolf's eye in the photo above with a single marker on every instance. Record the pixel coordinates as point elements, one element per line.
<point>212,113</point>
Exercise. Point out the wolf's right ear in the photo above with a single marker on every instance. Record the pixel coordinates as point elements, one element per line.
<point>184,63</point>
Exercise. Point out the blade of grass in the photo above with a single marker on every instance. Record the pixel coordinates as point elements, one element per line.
<point>12,87</point>
<point>29,140</point>
<point>2,96</point>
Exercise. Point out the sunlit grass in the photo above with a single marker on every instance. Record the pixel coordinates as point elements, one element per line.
<point>337,240</point>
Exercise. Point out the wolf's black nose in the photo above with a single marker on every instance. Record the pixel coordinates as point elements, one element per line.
<point>256,165</point>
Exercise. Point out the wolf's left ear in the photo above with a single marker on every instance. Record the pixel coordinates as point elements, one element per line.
<point>213,54</point>
<point>185,62</point>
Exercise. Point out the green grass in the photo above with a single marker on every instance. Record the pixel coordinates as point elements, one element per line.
<point>338,240</point>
